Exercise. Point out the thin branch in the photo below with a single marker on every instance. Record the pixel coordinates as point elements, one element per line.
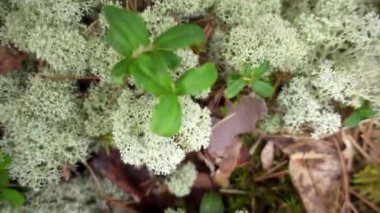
<point>273,175</point>
<point>364,200</point>
<point>232,191</point>
<point>346,182</point>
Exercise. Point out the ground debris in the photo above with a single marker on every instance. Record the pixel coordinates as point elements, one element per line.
<point>316,172</point>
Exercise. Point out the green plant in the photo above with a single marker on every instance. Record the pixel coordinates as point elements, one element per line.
<point>211,203</point>
<point>367,182</point>
<point>249,76</point>
<point>149,64</point>
<point>358,115</point>
<point>14,197</point>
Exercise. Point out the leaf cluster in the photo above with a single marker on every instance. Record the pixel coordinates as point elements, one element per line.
<point>150,62</point>
<point>14,197</point>
<point>252,77</point>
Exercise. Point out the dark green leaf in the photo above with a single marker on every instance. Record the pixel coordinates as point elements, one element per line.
<point>359,115</point>
<point>161,70</point>
<point>4,178</point>
<point>211,203</point>
<point>260,70</point>
<point>263,89</point>
<point>366,112</point>
<point>127,30</point>
<point>246,70</point>
<point>120,70</point>
<point>5,162</point>
<point>352,120</point>
<point>167,116</point>
<point>234,86</point>
<point>180,36</point>
<point>14,197</point>
<point>144,74</point>
<point>172,59</point>
<point>197,79</point>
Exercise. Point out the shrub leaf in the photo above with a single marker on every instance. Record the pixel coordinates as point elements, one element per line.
<point>197,79</point>
<point>127,30</point>
<point>167,116</point>
<point>262,88</point>
<point>180,36</point>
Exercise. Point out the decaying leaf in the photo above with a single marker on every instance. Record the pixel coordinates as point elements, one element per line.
<point>316,172</point>
<point>241,118</point>
<point>228,164</point>
<point>267,155</point>
<point>10,59</point>
<point>130,179</point>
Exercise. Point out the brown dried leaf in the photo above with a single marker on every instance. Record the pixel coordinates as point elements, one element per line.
<point>10,59</point>
<point>228,163</point>
<point>267,155</point>
<point>316,172</point>
<point>127,177</point>
<point>241,118</point>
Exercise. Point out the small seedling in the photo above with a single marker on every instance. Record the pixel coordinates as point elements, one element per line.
<point>252,77</point>
<point>7,193</point>
<point>150,62</point>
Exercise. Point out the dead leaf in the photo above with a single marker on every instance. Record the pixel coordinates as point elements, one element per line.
<point>315,171</point>
<point>267,155</point>
<point>241,118</point>
<point>127,177</point>
<point>228,163</point>
<point>10,59</point>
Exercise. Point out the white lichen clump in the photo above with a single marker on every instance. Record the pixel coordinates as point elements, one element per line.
<point>78,195</point>
<point>139,146</point>
<point>43,131</point>
<point>331,47</point>
<point>180,182</point>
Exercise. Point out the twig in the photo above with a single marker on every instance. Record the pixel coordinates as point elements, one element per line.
<point>344,174</point>
<point>273,175</point>
<point>364,200</point>
<point>232,191</point>
<point>358,147</point>
<point>254,146</point>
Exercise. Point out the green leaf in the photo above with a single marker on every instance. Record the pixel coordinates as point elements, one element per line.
<point>180,36</point>
<point>4,178</point>
<point>6,161</point>
<point>263,89</point>
<point>260,70</point>
<point>246,70</point>
<point>120,70</point>
<point>359,115</point>
<point>127,30</point>
<point>352,120</point>
<point>212,203</point>
<point>171,59</point>
<point>167,116</point>
<point>161,70</point>
<point>366,112</point>
<point>145,75</point>
<point>197,79</point>
<point>234,86</point>
<point>14,197</point>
